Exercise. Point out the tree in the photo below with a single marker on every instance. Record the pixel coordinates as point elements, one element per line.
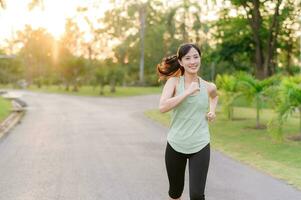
<point>72,38</point>
<point>73,70</point>
<point>120,27</point>
<point>256,91</point>
<point>108,73</point>
<point>123,24</point>
<point>10,69</point>
<point>101,76</point>
<point>115,75</point>
<point>265,26</point>
<point>37,52</point>
<point>288,42</point>
<point>288,102</point>
<point>229,86</point>
<point>142,15</point>
<point>233,53</point>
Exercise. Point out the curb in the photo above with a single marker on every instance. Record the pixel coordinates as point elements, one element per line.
<point>14,118</point>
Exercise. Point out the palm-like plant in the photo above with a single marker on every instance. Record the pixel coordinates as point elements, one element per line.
<point>228,85</point>
<point>290,98</point>
<point>256,91</point>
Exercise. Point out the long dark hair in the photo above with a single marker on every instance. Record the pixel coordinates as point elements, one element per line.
<point>170,66</point>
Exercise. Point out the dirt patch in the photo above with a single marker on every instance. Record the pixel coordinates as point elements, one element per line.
<point>261,126</point>
<point>294,137</point>
<point>238,119</point>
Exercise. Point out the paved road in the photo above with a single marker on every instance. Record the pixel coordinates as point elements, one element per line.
<point>88,148</point>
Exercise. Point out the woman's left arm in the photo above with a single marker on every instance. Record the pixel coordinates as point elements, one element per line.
<point>213,99</point>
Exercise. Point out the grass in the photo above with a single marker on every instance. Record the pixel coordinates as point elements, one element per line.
<point>94,91</point>
<point>252,146</point>
<point>5,107</point>
<point>91,91</point>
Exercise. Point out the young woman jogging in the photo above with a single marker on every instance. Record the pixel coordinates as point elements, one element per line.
<point>190,97</point>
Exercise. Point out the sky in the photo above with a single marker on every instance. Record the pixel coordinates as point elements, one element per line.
<point>52,16</point>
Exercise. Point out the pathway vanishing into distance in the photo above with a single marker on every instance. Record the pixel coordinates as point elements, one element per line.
<point>93,148</point>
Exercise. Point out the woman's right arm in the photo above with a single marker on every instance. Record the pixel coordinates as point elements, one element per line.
<point>168,101</point>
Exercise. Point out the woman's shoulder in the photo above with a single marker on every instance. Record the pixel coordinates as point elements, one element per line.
<point>171,84</point>
<point>173,80</point>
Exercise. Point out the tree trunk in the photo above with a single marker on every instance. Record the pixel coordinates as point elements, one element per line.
<point>113,86</point>
<point>212,71</point>
<point>257,112</point>
<point>300,119</point>
<point>272,41</point>
<point>229,114</point>
<point>184,32</point>
<point>289,55</point>
<point>255,23</point>
<point>101,89</point>
<point>75,88</point>
<point>67,87</point>
<point>142,16</point>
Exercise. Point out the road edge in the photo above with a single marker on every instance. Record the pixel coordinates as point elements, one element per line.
<point>17,112</point>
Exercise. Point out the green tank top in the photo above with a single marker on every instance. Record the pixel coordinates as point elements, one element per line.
<point>189,131</point>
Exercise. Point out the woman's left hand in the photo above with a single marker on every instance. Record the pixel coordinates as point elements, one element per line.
<point>211,116</point>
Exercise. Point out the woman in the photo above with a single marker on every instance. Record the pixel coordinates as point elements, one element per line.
<point>189,96</point>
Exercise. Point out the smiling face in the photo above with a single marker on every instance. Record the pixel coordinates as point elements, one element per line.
<point>191,61</point>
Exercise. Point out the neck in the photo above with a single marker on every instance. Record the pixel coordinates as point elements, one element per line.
<point>190,77</point>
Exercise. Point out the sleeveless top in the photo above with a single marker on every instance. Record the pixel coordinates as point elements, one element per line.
<point>189,131</point>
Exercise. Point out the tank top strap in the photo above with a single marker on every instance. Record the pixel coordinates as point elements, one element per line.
<point>180,85</point>
<point>201,84</point>
<point>203,87</point>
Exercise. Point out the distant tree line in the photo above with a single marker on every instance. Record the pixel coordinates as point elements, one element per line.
<point>257,37</point>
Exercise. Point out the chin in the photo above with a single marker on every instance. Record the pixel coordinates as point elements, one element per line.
<point>193,71</point>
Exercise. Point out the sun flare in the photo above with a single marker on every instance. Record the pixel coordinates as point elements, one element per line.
<point>51,16</point>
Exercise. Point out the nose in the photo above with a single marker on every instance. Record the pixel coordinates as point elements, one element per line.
<point>193,61</point>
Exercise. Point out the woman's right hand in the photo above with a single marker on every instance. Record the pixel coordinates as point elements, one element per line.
<point>193,87</point>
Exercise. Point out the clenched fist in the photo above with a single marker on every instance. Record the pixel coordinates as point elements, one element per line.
<point>211,116</point>
<point>193,87</point>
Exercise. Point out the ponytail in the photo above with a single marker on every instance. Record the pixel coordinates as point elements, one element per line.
<point>169,67</point>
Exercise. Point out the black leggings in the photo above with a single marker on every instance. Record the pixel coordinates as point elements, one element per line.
<point>198,168</point>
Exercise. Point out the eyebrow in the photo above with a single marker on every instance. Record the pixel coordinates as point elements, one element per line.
<point>192,55</point>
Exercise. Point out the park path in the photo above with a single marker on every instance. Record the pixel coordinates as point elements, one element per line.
<point>90,148</point>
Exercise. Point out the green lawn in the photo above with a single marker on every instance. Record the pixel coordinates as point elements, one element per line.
<point>91,91</point>
<point>240,141</point>
<point>5,107</point>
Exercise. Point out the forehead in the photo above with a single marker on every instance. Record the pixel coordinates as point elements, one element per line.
<point>192,52</point>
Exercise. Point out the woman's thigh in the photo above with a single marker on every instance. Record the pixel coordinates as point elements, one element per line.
<point>198,169</point>
<point>175,166</point>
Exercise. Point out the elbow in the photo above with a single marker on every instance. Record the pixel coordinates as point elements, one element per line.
<point>215,98</point>
<point>162,109</point>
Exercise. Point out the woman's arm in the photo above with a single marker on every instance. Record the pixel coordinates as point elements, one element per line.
<point>168,101</point>
<point>212,102</point>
